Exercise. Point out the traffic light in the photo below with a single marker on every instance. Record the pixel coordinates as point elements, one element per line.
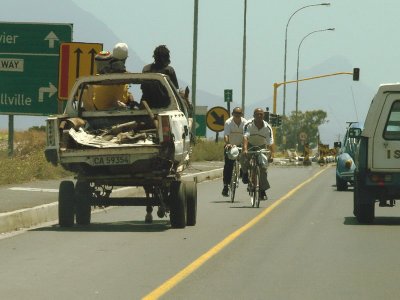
<point>266,116</point>
<point>272,120</point>
<point>356,74</point>
<point>278,120</point>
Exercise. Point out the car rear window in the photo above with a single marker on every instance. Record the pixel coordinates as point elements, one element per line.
<point>392,128</point>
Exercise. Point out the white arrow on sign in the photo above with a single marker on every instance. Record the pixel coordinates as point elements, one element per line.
<point>51,37</point>
<point>51,90</point>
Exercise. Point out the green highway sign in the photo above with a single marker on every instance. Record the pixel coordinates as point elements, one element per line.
<point>29,58</point>
<point>200,125</point>
<point>228,95</point>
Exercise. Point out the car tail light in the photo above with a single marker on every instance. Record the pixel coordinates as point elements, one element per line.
<point>380,179</point>
<point>166,129</point>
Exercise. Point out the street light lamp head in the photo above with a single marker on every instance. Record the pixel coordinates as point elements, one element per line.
<point>331,29</point>
<point>326,3</point>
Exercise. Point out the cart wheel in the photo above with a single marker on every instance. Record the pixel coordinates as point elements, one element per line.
<point>83,203</point>
<point>178,205</point>
<point>66,201</point>
<point>191,200</point>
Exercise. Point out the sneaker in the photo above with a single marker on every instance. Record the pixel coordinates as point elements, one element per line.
<point>245,178</point>
<point>225,191</point>
<point>263,195</point>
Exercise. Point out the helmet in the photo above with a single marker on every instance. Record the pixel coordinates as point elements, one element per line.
<point>120,51</point>
<point>233,153</point>
<point>102,60</point>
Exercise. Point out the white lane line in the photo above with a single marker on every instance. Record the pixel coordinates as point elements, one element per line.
<point>30,189</point>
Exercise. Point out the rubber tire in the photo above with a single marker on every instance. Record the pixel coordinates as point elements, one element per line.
<point>83,203</point>
<point>178,205</point>
<point>234,182</point>
<point>191,202</point>
<point>364,212</point>
<point>66,204</point>
<point>257,189</point>
<point>341,185</point>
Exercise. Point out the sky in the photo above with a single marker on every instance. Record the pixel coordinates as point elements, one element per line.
<point>365,36</point>
<point>358,24</point>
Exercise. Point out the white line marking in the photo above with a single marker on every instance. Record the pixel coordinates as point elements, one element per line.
<point>30,189</point>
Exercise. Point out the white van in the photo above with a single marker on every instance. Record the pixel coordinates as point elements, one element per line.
<point>377,176</point>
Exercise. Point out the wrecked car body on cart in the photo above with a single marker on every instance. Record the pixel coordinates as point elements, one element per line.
<point>108,140</point>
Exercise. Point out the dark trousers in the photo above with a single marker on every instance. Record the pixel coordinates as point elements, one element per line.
<point>228,167</point>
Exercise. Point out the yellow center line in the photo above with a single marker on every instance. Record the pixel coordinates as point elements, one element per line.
<point>185,272</point>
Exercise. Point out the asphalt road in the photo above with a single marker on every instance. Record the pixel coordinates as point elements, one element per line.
<point>302,243</point>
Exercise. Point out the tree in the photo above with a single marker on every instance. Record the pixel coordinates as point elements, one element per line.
<point>307,122</point>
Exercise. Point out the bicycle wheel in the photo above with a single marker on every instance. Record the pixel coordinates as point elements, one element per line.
<point>257,186</point>
<point>234,180</point>
<point>254,185</point>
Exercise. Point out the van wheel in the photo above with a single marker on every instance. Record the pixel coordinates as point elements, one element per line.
<point>191,200</point>
<point>83,203</point>
<point>66,201</point>
<point>178,205</point>
<point>364,205</point>
<point>341,185</point>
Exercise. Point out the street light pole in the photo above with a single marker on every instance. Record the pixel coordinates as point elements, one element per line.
<point>194,67</point>
<point>298,59</point>
<point>284,67</point>
<point>244,58</point>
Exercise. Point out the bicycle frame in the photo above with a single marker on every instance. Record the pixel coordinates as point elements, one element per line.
<point>235,177</point>
<point>254,175</point>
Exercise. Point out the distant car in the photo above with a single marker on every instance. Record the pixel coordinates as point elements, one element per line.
<point>345,165</point>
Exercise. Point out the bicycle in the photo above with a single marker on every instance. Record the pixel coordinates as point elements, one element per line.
<point>235,176</point>
<point>255,163</point>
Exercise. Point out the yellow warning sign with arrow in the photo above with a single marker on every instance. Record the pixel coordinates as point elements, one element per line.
<point>216,118</point>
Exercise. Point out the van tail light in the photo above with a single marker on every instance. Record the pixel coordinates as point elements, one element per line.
<point>166,129</point>
<point>380,179</point>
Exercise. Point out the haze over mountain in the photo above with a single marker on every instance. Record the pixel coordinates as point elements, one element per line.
<point>328,94</point>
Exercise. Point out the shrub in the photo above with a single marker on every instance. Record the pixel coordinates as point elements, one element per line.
<point>207,150</point>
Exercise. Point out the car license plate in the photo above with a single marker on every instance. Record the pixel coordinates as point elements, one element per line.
<point>108,160</point>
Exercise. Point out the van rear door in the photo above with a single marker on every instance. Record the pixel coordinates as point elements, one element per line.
<point>386,140</point>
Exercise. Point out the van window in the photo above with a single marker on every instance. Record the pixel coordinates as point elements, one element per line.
<point>392,128</point>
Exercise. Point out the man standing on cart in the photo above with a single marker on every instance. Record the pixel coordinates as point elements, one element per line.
<point>257,132</point>
<point>233,136</point>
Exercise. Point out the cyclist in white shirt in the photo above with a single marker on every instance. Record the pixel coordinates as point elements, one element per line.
<point>233,135</point>
<point>257,132</point>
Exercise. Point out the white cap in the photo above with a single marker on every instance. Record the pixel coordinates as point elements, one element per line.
<point>120,51</point>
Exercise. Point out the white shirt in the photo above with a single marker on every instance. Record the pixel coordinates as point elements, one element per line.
<point>234,131</point>
<point>258,137</point>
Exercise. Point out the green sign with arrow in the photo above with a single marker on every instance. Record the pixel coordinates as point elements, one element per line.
<point>29,58</point>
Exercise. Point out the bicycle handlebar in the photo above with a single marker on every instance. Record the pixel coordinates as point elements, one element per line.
<point>258,151</point>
